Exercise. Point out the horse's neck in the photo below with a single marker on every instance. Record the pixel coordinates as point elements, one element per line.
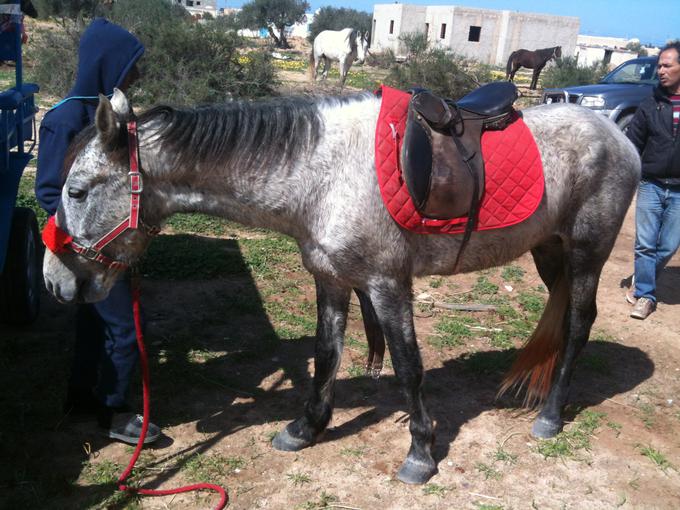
<point>282,195</point>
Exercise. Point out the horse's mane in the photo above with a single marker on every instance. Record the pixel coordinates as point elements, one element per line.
<point>256,133</point>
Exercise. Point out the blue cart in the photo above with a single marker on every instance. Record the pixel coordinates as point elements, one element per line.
<point>20,245</point>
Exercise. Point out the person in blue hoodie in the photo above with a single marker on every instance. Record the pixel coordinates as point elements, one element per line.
<point>105,352</point>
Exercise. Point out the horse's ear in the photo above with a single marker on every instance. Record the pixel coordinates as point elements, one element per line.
<point>120,105</point>
<point>106,122</point>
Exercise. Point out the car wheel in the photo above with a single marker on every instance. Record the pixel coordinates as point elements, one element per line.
<point>21,278</point>
<point>624,122</point>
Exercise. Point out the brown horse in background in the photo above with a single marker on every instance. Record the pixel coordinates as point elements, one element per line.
<point>535,60</point>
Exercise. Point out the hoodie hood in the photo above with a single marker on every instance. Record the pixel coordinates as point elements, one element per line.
<point>106,54</point>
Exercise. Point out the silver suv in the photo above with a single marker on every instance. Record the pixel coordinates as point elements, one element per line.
<point>617,95</point>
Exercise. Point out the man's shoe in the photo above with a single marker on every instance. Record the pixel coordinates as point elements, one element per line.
<point>128,428</point>
<point>643,308</point>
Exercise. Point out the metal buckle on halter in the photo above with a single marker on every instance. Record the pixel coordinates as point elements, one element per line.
<point>141,183</point>
<point>89,253</point>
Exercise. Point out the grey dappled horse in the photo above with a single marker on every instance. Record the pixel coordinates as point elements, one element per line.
<point>305,167</point>
<point>345,46</point>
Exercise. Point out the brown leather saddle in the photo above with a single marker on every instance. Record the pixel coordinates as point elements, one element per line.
<point>441,157</point>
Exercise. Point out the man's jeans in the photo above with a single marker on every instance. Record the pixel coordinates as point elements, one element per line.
<point>657,233</point>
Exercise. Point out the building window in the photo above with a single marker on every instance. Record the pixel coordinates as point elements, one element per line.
<point>427,30</point>
<point>391,26</point>
<point>190,3</point>
<point>442,32</point>
<point>474,33</point>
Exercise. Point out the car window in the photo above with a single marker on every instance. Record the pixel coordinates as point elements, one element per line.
<point>634,72</point>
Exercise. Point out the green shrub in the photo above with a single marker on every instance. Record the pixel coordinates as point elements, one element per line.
<point>444,73</point>
<point>567,73</point>
<point>184,62</point>
<point>332,18</point>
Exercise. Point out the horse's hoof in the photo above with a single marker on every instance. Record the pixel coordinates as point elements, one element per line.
<point>415,472</point>
<point>545,429</point>
<point>285,442</point>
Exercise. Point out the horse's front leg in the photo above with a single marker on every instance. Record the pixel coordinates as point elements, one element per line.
<point>332,303</point>
<point>392,303</point>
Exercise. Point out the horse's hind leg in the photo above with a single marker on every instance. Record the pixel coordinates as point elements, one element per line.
<point>579,280</point>
<point>374,335</point>
<point>332,303</point>
<point>392,304</point>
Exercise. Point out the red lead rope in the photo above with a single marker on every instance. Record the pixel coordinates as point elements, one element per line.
<point>145,382</point>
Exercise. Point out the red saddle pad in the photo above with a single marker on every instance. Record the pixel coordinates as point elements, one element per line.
<point>513,179</point>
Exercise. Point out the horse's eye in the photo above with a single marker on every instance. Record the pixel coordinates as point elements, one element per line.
<point>76,193</point>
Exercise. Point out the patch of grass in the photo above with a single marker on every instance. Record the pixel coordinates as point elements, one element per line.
<point>502,455</point>
<point>484,287</point>
<point>616,427</point>
<point>501,339</point>
<point>209,467</point>
<point>436,282</point>
<point>353,452</point>
<point>101,473</point>
<point>485,506</point>
<point>298,478</point>
<point>488,471</point>
<point>658,458</point>
<point>432,489</point>
<point>268,256</point>
<point>356,370</point>
<point>195,223</point>
<point>647,414</point>
<point>513,274</point>
<point>325,501</point>
<point>26,197</point>
<point>451,331</point>
<point>531,302</point>
<point>567,442</point>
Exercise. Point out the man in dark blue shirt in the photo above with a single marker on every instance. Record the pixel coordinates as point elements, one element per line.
<point>105,351</point>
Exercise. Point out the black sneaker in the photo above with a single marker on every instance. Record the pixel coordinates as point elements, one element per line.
<point>127,428</point>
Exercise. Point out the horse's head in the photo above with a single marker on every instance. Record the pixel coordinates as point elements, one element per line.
<point>98,232</point>
<point>362,46</point>
<point>557,53</point>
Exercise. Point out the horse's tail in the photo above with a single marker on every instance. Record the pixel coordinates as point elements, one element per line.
<point>508,68</point>
<point>535,363</point>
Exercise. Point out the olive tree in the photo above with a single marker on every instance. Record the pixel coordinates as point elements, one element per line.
<point>275,16</point>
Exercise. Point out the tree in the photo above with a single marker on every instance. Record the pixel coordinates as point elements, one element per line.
<point>331,18</point>
<point>274,14</point>
<point>637,48</point>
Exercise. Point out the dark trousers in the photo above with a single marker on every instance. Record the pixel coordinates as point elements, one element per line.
<point>106,347</point>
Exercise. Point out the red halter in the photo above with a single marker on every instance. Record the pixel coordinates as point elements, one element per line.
<point>59,241</point>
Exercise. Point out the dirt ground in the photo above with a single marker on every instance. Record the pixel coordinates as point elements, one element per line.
<point>219,402</point>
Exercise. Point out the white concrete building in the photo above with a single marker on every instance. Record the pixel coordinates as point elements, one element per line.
<point>199,7</point>
<point>486,35</point>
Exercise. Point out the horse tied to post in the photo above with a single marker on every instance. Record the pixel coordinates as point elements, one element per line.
<point>535,60</point>
<point>345,46</point>
<point>277,164</point>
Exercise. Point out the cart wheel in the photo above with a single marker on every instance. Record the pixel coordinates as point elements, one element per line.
<point>20,281</point>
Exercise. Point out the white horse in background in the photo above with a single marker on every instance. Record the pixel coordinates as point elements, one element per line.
<point>345,46</point>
